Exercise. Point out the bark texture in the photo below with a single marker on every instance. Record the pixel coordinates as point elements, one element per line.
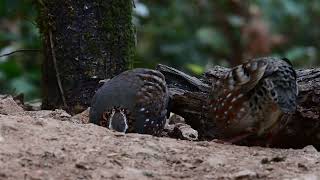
<point>189,96</point>
<point>84,41</point>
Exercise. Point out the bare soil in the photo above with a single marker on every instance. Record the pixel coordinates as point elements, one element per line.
<point>54,145</point>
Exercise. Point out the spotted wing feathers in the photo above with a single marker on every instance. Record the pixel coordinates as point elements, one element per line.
<point>152,100</point>
<point>240,78</point>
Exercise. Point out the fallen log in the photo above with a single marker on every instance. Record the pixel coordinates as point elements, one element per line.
<point>189,96</point>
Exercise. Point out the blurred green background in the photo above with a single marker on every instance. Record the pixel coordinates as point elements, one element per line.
<point>190,35</point>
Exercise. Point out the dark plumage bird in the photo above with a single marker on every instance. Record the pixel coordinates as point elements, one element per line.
<point>134,101</point>
<point>252,98</point>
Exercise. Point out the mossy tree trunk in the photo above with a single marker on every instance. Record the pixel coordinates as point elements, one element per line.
<point>84,41</point>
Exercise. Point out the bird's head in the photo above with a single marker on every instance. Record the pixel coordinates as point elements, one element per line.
<point>117,120</point>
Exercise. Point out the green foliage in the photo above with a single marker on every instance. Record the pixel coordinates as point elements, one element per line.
<point>297,21</point>
<point>19,72</point>
<point>189,35</point>
<point>178,33</point>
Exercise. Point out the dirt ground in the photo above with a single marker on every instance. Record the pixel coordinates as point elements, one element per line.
<point>54,145</point>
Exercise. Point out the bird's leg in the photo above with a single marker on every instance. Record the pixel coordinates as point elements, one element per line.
<point>233,140</point>
<point>221,141</point>
<point>270,140</point>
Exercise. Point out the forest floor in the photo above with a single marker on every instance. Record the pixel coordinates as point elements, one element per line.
<point>54,145</point>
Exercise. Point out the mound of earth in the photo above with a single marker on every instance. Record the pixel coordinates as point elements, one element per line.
<point>54,145</point>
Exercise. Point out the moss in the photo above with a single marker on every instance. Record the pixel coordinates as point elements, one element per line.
<point>119,24</point>
<point>91,39</point>
<point>44,20</point>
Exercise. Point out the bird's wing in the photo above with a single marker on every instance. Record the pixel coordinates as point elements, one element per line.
<point>241,78</point>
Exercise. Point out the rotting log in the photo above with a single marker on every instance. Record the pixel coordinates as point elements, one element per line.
<point>189,96</point>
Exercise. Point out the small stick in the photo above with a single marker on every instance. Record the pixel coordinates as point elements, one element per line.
<point>56,69</point>
<point>20,50</point>
<point>133,4</point>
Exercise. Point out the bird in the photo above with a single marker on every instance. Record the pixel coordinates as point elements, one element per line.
<point>252,98</point>
<point>134,101</point>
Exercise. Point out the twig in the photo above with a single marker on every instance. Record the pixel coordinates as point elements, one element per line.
<point>133,4</point>
<point>56,69</point>
<point>20,50</point>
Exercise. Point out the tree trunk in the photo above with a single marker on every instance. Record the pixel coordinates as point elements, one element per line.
<point>189,96</point>
<point>84,42</point>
